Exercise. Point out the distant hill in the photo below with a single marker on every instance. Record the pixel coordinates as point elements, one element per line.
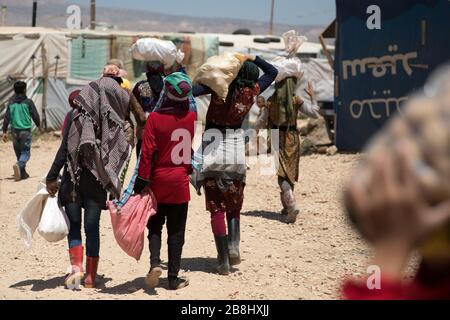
<point>52,13</point>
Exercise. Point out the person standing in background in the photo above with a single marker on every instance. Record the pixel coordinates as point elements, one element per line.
<point>147,93</point>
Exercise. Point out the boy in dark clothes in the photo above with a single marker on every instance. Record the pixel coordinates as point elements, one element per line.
<point>19,113</point>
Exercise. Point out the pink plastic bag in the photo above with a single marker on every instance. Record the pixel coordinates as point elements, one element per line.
<point>129,223</point>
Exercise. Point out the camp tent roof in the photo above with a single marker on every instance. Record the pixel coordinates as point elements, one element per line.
<point>239,41</point>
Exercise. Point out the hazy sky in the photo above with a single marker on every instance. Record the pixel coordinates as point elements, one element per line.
<point>286,11</point>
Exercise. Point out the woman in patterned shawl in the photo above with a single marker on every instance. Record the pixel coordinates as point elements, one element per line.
<point>97,152</point>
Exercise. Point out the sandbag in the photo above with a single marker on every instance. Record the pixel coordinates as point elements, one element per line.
<point>218,72</point>
<point>28,219</point>
<point>151,49</point>
<point>54,225</point>
<point>130,221</point>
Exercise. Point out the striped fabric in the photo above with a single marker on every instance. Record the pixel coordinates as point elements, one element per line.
<point>97,138</point>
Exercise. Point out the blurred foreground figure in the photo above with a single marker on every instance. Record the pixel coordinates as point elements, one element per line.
<point>399,200</point>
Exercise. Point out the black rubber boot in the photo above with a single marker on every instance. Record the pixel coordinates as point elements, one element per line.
<point>234,239</point>
<point>223,259</point>
<point>23,174</point>
<point>176,283</point>
<point>284,212</point>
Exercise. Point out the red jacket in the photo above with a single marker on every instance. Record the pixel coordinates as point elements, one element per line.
<point>166,155</point>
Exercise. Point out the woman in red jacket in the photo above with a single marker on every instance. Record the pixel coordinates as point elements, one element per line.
<point>165,166</point>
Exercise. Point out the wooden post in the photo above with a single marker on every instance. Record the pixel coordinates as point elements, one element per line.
<point>326,51</point>
<point>33,22</point>
<point>93,14</point>
<point>271,18</point>
<point>44,86</point>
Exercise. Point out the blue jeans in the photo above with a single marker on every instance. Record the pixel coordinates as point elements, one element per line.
<point>22,146</point>
<point>92,211</point>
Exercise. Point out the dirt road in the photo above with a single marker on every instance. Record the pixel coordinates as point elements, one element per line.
<point>303,261</point>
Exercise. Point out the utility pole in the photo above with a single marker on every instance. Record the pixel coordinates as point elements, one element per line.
<point>271,18</point>
<point>93,13</point>
<point>33,23</point>
<point>3,15</point>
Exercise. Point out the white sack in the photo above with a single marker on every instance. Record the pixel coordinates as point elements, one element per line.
<point>151,49</point>
<point>28,219</point>
<point>288,67</point>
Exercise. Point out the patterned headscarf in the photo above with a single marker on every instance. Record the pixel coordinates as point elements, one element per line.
<point>176,96</point>
<point>72,97</point>
<point>97,138</point>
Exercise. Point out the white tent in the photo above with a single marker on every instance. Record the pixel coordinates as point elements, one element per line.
<point>46,59</point>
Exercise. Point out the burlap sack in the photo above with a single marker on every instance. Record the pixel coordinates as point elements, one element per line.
<point>219,71</point>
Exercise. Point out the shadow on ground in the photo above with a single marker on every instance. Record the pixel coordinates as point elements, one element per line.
<point>53,283</point>
<point>276,216</point>
<point>131,287</point>
<point>199,264</point>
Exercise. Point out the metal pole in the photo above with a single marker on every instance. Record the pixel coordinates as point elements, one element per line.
<point>33,23</point>
<point>93,13</point>
<point>271,18</point>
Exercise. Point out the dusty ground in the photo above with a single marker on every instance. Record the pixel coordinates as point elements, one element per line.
<point>303,261</point>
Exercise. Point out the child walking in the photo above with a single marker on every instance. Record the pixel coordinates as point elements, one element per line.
<point>19,113</point>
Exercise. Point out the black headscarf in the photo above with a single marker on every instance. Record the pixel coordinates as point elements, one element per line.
<point>247,77</point>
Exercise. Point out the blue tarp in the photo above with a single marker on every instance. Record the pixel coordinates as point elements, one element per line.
<point>376,70</point>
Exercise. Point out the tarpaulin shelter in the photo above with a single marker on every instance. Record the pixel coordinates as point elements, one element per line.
<point>377,69</point>
<point>54,62</point>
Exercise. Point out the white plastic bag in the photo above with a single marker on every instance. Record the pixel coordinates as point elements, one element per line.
<point>288,67</point>
<point>151,49</point>
<point>54,224</point>
<point>28,219</point>
<point>292,42</point>
<point>218,72</point>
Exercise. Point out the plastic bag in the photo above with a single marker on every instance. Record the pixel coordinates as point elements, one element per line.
<point>219,71</point>
<point>130,221</point>
<point>54,225</point>
<point>288,67</point>
<point>292,42</point>
<point>28,219</point>
<point>151,49</point>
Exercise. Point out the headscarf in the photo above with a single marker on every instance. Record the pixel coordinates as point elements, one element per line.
<point>97,137</point>
<point>176,96</point>
<point>155,79</point>
<point>111,70</point>
<point>282,103</point>
<point>72,97</point>
<point>247,77</point>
